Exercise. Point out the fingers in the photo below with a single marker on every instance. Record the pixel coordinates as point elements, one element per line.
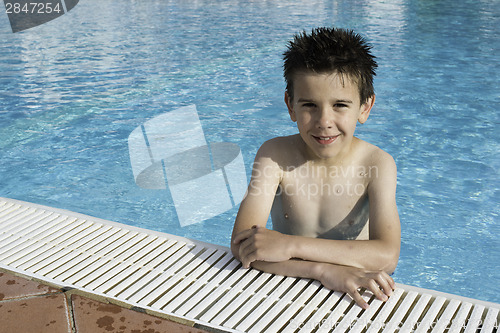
<point>247,259</point>
<point>381,285</point>
<point>245,253</point>
<point>242,235</point>
<point>247,249</point>
<point>356,296</point>
<point>375,289</point>
<point>392,283</point>
<point>245,246</point>
<point>387,284</point>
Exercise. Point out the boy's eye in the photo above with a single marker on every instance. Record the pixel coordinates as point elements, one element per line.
<point>340,105</point>
<point>308,105</point>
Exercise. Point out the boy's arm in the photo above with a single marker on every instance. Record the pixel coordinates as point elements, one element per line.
<point>256,205</point>
<point>334,277</point>
<point>381,252</point>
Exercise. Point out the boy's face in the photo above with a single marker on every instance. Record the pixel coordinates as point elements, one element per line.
<point>326,108</point>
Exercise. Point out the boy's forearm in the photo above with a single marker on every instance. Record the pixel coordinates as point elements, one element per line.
<point>334,277</point>
<point>369,254</point>
<point>293,268</point>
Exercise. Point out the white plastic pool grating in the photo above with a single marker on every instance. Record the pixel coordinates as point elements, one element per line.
<point>204,285</point>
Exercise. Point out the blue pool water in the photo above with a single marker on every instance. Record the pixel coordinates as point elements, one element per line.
<point>72,91</point>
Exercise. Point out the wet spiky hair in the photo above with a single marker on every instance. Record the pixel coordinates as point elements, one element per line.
<point>328,50</point>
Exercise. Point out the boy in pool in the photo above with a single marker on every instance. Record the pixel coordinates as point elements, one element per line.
<point>331,196</point>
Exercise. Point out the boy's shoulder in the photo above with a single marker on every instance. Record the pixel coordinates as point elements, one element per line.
<point>370,154</point>
<point>278,154</point>
<point>281,149</point>
<point>374,159</point>
<point>280,145</point>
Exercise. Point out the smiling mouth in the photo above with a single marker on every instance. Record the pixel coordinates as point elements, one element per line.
<point>325,140</point>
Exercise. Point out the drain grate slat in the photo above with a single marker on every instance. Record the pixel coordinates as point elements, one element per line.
<point>319,317</point>
<point>460,319</point>
<point>199,274</point>
<point>491,321</point>
<point>111,260</point>
<point>94,251</point>
<point>349,318</point>
<point>364,320</point>
<point>171,279</point>
<point>239,301</point>
<point>145,264</point>
<point>9,241</point>
<point>151,280</point>
<point>444,321</point>
<point>11,211</point>
<point>294,306</point>
<point>203,283</point>
<point>475,320</point>
<point>146,295</point>
<point>309,309</point>
<point>333,319</point>
<point>250,302</point>
<point>56,249</point>
<point>73,253</point>
<point>266,304</point>
<point>193,294</point>
<point>387,309</point>
<point>230,294</point>
<point>122,263</point>
<point>412,320</point>
<point>402,310</point>
<point>10,226</point>
<point>204,293</point>
<point>217,292</point>
<point>430,317</point>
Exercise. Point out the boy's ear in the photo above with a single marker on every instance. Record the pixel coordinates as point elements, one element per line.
<point>288,103</point>
<point>365,109</point>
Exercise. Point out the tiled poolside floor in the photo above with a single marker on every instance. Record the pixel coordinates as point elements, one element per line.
<point>28,306</point>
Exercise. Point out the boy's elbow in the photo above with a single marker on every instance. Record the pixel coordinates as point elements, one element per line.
<point>391,261</point>
<point>391,267</point>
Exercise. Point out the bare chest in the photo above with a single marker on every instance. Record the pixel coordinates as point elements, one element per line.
<point>318,203</point>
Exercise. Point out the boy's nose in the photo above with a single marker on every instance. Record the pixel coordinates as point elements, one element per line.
<point>325,119</point>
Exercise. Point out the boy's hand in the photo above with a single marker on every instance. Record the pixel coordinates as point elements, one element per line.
<point>350,279</point>
<point>261,244</point>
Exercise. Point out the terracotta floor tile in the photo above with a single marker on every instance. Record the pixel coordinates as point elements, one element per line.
<point>12,286</point>
<point>95,317</point>
<point>40,314</point>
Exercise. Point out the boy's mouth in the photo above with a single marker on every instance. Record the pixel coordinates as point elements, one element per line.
<point>325,140</point>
